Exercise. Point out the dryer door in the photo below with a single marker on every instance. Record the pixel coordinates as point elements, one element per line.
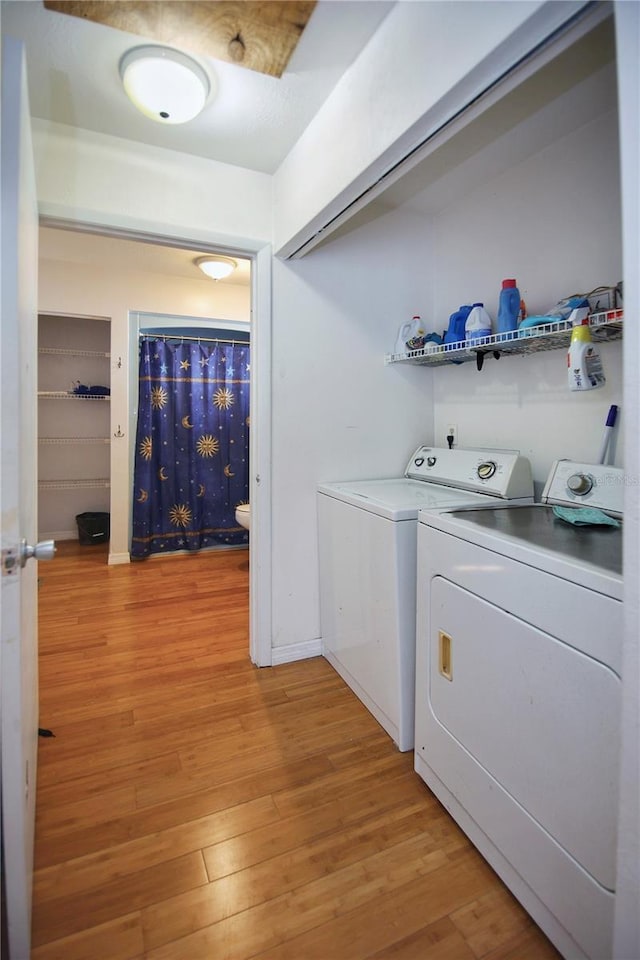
<point>541,718</point>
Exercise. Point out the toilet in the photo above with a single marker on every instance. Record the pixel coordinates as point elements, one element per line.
<point>243,515</point>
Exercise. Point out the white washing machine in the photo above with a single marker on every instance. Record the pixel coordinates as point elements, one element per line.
<point>518,695</point>
<point>367,552</point>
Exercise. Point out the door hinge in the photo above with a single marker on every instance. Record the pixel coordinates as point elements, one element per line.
<point>10,562</point>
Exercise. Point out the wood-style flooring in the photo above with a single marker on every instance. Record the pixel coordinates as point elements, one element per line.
<point>194,807</point>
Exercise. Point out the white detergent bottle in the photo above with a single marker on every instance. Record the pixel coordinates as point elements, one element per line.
<point>478,323</point>
<point>412,328</point>
<point>584,366</point>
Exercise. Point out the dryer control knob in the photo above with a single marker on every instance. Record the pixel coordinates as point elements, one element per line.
<point>431,461</point>
<point>418,461</point>
<point>580,484</point>
<point>486,469</point>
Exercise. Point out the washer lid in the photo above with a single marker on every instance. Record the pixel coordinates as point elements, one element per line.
<point>537,526</point>
<point>399,499</point>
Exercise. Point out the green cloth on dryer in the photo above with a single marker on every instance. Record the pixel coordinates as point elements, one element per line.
<point>585,517</point>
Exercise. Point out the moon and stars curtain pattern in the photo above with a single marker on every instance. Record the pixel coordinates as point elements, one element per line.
<point>192,446</point>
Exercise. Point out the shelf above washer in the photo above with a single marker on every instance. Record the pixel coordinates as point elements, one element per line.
<point>553,336</point>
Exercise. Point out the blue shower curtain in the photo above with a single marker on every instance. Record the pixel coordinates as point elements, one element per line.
<point>192,446</point>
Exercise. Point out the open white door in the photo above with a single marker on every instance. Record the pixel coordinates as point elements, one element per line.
<point>18,488</point>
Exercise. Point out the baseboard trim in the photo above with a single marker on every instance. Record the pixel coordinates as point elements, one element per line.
<point>59,535</point>
<point>115,558</point>
<point>296,651</point>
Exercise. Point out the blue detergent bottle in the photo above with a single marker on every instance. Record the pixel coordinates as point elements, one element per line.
<point>508,309</point>
<point>455,335</point>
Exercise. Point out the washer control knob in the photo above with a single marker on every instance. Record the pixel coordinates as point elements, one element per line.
<point>418,461</point>
<point>431,461</point>
<point>486,469</point>
<point>580,484</point>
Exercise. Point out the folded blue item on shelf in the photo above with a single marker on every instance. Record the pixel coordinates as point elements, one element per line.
<point>82,390</point>
<point>562,311</point>
<point>536,322</point>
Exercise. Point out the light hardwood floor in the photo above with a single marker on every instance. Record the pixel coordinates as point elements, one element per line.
<point>193,807</point>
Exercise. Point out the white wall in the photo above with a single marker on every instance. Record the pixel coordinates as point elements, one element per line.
<point>424,62</point>
<point>553,223</point>
<point>83,290</point>
<point>338,412</point>
<point>627,917</point>
<point>90,177</point>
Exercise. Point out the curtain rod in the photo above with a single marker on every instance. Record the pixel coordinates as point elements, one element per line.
<point>173,336</point>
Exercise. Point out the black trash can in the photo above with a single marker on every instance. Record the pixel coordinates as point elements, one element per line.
<point>92,528</point>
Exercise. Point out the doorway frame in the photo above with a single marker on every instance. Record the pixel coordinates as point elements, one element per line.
<point>259,252</point>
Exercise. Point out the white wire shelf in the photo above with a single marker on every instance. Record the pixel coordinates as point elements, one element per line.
<point>74,440</point>
<point>553,336</point>
<point>68,352</point>
<point>65,395</point>
<point>73,484</point>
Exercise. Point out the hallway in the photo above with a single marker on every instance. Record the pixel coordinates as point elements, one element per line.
<point>192,806</point>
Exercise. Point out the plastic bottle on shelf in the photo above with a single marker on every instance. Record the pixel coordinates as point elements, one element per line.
<point>412,328</point>
<point>478,323</point>
<point>522,313</point>
<point>455,335</point>
<point>508,309</point>
<point>584,366</point>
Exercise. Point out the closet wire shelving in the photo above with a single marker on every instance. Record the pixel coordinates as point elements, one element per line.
<point>604,327</point>
<point>67,395</point>
<point>71,352</point>
<point>73,440</point>
<point>93,484</point>
<point>99,484</point>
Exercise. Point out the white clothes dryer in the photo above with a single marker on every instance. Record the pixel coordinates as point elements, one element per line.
<point>518,695</point>
<point>367,552</point>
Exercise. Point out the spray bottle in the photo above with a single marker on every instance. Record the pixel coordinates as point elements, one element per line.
<point>583,360</point>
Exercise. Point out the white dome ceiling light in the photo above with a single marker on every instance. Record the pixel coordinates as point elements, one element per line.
<point>164,84</point>
<point>217,268</point>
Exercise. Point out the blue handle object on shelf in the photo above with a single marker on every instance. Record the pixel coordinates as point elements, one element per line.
<point>608,432</point>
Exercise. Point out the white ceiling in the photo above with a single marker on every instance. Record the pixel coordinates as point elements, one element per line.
<point>73,74</point>
<point>252,121</point>
<point>120,255</point>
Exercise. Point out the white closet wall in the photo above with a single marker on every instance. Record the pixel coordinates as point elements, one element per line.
<point>74,431</point>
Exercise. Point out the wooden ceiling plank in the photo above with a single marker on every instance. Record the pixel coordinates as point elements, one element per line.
<point>268,30</point>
